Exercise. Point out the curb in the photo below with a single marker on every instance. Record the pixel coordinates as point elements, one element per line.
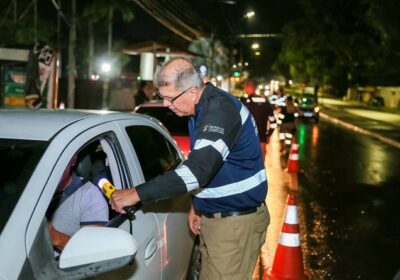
<point>337,121</point>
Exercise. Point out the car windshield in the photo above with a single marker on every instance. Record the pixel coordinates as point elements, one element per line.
<point>18,160</point>
<point>177,126</point>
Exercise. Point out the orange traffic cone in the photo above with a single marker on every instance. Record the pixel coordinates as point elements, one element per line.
<point>293,163</point>
<point>288,260</point>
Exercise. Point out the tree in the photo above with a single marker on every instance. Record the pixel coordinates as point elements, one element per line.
<point>383,18</point>
<point>341,42</point>
<point>71,56</point>
<point>17,24</point>
<point>97,11</point>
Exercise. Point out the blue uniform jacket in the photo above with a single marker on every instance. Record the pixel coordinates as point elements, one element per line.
<point>225,169</point>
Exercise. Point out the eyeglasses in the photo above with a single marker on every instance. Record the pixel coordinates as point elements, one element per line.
<point>172,99</point>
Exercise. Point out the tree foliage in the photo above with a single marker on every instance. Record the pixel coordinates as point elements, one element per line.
<point>17,24</point>
<point>99,10</point>
<point>342,42</point>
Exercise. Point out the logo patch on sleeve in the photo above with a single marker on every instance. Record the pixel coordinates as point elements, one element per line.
<point>213,128</point>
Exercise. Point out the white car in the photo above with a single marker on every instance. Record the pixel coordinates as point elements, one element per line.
<point>126,148</point>
<point>176,125</point>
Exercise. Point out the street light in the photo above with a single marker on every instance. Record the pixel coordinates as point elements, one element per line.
<point>249,14</point>
<point>255,46</point>
<point>105,70</point>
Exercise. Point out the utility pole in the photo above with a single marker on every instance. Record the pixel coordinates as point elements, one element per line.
<point>106,80</point>
<point>109,42</point>
<point>35,23</point>
<point>71,58</point>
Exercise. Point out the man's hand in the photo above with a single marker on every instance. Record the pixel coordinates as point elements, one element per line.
<point>121,198</point>
<point>194,221</point>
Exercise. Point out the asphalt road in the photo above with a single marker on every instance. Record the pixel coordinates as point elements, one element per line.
<point>349,195</point>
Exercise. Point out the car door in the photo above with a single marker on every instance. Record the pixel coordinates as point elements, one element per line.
<point>158,153</point>
<point>144,227</point>
<point>63,147</point>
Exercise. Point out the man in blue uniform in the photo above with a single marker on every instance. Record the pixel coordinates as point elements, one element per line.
<point>224,171</point>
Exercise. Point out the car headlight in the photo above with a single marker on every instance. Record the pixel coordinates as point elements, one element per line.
<point>316,109</point>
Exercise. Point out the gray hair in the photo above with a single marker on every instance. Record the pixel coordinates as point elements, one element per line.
<point>184,74</point>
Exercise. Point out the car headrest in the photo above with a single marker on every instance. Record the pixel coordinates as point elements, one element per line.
<point>84,167</point>
<point>97,166</point>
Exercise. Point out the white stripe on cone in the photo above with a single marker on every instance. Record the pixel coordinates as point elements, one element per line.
<point>291,216</point>
<point>289,239</point>
<point>294,157</point>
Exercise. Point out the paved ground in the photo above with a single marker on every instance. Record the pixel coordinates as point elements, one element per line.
<point>353,115</point>
<point>278,187</point>
<point>357,116</point>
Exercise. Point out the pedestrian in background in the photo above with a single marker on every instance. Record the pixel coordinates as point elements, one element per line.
<point>262,111</point>
<point>144,93</point>
<point>224,171</point>
<point>287,117</point>
<point>122,96</point>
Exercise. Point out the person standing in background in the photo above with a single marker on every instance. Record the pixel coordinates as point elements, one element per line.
<point>122,96</point>
<point>262,111</point>
<point>287,117</point>
<point>144,93</point>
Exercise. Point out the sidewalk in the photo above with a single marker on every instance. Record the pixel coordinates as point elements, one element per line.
<point>363,119</point>
<point>391,116</point>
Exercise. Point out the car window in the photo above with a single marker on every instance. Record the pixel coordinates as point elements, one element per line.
<point>90,163</point>
<point>18,161</point>
<point>176,125</point>
<point>155,153</point>
<point>77,200</point>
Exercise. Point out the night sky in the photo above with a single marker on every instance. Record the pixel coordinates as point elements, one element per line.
<point>225,21</point>
<point>271,15</point>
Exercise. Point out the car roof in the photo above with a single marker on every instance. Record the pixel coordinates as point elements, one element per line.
<point>43,124</point>
<point>152,103</point>
<point>175,124</point>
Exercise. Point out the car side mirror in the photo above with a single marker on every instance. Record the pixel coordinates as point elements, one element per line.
<point>105,248</point>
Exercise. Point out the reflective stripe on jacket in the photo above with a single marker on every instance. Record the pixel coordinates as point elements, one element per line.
<point>225,168</point>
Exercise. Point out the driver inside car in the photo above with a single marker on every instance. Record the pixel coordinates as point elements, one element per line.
<point>76,203</point>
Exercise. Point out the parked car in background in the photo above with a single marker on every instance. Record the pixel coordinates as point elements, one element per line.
<point>308,107</point>
<point>376,101</point>
<point>35,148</point>
<point>277,101</point>
<point>177,126</point>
